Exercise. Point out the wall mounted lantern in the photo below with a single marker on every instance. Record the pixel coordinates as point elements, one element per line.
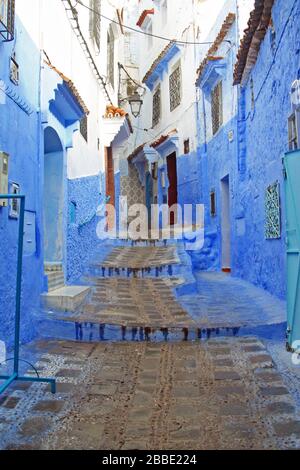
<point>135,92</point>
<point>135,103</point>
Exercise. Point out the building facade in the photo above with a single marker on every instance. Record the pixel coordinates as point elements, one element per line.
<point>59,80</point>
<point>246,138</point>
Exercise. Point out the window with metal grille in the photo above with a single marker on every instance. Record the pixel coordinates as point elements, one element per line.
<point>273,212</point>
<point>217,108</point>
<point>84,128</point>
<point>175,88</point>
<point>213,209</point>
<point>186,146</point>
<point>156,107</point>
<point>294,131</point>
<point>95,21</point>
<point>7,20</point>
<point>111,57</point>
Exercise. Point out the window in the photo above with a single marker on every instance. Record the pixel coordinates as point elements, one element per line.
<point>7,19</point>
<point>111,58</point>
<point>273,212</point>
<point>156,107</point>
<point>294,131</point>
<point>14,70</point>
<point>213,210</point>
<point>84,128</point>
<point>14,204</point>
<point>95,21</point>
<point>175,88</point>
<point>217,108</point>
<point>186,146</point>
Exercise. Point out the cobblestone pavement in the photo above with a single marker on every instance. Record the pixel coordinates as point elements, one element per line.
<point>141,257</point>
<point>220,394</point>
<point>133,302</point>
<point>224,301</point>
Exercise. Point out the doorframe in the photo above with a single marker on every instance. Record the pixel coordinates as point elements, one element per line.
<point>172,155</point>
<point>226,235</point>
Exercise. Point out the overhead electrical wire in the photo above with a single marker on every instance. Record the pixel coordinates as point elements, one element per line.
<point>178,41</point>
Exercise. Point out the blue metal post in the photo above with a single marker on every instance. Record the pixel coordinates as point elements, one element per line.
<point>15,376</point>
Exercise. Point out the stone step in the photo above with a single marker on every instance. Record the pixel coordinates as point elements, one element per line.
<point>67,298</point>
<point>55,280</point>
<point>53,267</point>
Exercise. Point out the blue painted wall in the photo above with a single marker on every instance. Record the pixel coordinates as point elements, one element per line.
<point>266,140</point>
<point>20,137</point>
<point>253,160</point>
<point>82,239</point>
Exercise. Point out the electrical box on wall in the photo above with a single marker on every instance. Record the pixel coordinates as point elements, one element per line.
<point>3,177</point>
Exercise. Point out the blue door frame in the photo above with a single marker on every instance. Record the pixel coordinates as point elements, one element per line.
<point>292,191</point>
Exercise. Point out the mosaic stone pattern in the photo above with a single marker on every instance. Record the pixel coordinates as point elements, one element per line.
<point>133,303</point>
<point>132,188</point>
<point>141,257</point>
<point>222,394</point>
<point>273,212</point>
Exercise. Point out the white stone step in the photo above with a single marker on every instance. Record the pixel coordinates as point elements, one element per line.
<point>67,298</point>
<point>55,280</point>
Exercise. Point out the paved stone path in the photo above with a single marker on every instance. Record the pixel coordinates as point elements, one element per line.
<point>221,394</point>
<point>223,301</point>
<point>141,257</point>
<point>133,303</point>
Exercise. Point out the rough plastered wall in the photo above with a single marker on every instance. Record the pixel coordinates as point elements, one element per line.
<point>19,137</point>
<point>256,259</point>
<point>82,241</point>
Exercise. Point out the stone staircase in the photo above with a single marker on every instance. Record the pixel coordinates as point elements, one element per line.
<point>59,296</point>
<point>55,276</point>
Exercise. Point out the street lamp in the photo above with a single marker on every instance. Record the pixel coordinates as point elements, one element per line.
<point>135,99</point>
<point>135,103</point>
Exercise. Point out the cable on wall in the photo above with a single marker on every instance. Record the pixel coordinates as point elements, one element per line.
<point>74,22</point>
<point>178,41</point>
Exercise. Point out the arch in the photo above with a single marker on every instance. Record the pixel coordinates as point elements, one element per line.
<point>53,196</point>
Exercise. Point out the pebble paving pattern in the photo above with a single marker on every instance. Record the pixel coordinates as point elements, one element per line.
<point>219,394</point>
<point>141,257</point>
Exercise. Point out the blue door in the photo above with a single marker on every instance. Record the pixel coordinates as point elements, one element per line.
<point>292,190</point>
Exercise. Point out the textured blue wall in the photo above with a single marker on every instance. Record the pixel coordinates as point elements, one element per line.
<point>82,237</point>
<point>20,137</point>
<point>266,139</point>
<point>254,160</point>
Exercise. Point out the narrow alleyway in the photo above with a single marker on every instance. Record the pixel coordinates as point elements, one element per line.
<point>219,389</point>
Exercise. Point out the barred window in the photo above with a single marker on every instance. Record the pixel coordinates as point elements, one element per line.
<point>217,108</point>
<point>186,146</point>
<point>7,19</point>
<point>95,21</point>
<point>111,57</point>
<point>84,128</point>
<point>156,107</point>
<point>273,212</point>
<point>175,88</point>
<point>213,209</point>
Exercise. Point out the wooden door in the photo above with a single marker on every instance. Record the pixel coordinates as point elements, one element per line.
<point>110,183</point>
<point>172,191</point>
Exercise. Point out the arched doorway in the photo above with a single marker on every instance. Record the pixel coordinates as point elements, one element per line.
<point>53,197</point>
